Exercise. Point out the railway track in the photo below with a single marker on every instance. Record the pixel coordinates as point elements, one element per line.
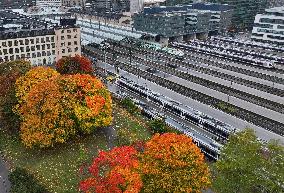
<point>236,69</point>
<point>249,116</point>
<point>248,83</point>
<point>215,86</point>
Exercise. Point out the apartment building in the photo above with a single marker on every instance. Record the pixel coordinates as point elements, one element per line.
<point>244,11</point>
<point>269,27</point>
<point>49,3</point>
<point>37,41</point>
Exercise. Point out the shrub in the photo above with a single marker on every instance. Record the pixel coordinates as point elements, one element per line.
<point>158,125</point>
<point>24,182</point>
<point>129,105</point>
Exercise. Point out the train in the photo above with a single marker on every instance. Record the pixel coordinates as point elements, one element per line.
<point>226,54</point>
<point>219,129</point>
<point>208,123</point>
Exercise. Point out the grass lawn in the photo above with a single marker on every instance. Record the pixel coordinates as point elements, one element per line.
<point>57,167</point>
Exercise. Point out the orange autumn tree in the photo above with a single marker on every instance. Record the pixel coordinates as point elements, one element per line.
<point>74,65</point>
<point>34,76</point>
<point>60,107</point>
<point>114,171</point>
<point>173,163</point>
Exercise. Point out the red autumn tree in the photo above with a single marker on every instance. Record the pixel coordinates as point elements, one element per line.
<point>115,171</point>
<point>173,163</point>
<point>74,65</point>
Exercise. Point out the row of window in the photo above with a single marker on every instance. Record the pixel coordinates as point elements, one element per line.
<point>68,30</point>
<point>270,31</point>
<point>16,42</point>
<point>27,49</point>
<point>27,56</point>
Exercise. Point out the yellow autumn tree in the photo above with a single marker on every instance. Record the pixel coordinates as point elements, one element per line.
<point>63,106</point>
<point>173,163</point>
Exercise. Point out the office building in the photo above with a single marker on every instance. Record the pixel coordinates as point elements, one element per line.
<point>244,11</point>
<point>109,5</point>
<point>269,27</point>
<point>48,3</point>
<point>16,4</point>
<point>74,3</point>
<point>40,42</point>
<point>178,22</point>
<point>275,3</point>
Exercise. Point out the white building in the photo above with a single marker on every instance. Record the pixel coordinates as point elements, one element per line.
<point>136,6</point>
<point>41,44</point>
<point>269,27</point>
<point>49,3</point>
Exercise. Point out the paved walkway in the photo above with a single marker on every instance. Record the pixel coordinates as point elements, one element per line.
<point>4,182</point>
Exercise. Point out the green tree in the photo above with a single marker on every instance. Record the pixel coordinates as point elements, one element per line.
<point>246,165</point>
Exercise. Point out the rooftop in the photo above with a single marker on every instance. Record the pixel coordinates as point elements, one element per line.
<point>187,8</point>
<point>276,9</point>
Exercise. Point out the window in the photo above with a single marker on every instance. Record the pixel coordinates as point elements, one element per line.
<point>21,42</point>
<point>62,31</point>
<point>16,42</point>
<point>75,43</point>
<point>32,41</point>
<point>47,39</point>
<point>37,40</point>
<point>68,36</point>
<point>68,31</point>
<point>22,49</point>
<point>10,43</point>
<point>62,38</point>
<point>33,48</point>
<point>38,47</point>
<point>42,40</point>
<point>52,39</point>
<point>43,47</point>
<point>76,49</point>
<point>4,44</point>
<point>69,43</point>
<point>27,41</point>
<point>11,51</point>
<point>74,30</point>
<point>48,46</point>
<point>63,51</point>
<point>17,50</point>
<point>11,58</point>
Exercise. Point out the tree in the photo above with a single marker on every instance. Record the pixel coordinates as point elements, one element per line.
<point>115,171</point>
<point>57,109</point>
<point>246,165</point>
<point>173,163</point>
<point>9,72</point>
<point>74,65</point>
<point>34,76</point>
